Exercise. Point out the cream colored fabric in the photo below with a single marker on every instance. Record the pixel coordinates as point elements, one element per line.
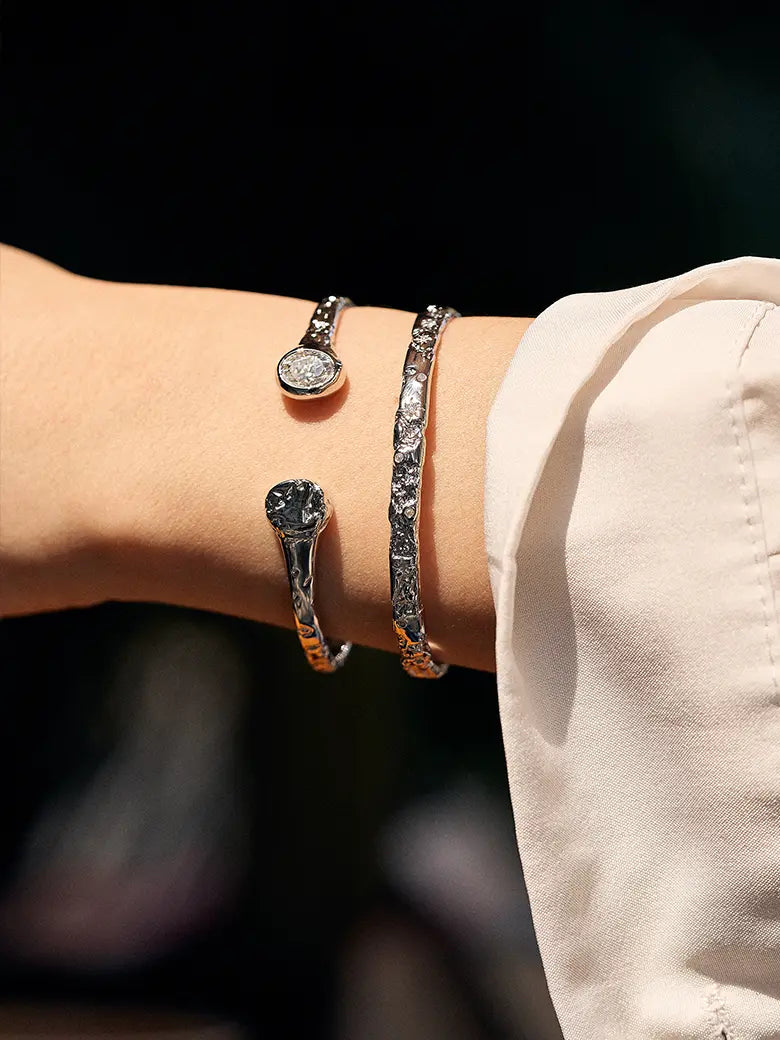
<point>633,531</point>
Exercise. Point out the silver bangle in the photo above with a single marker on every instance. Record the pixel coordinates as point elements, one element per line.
<point>408,459</point>
<point>299,511</point>
<point>313,369</point>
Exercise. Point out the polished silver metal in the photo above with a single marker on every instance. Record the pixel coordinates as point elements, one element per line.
<point>408,460</point>
<point>299,511</point>
<point>313,369</point>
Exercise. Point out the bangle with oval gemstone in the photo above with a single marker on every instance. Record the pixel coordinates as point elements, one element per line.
<point>408,458</point>
<point>299,511</point>
<point>313,369</point>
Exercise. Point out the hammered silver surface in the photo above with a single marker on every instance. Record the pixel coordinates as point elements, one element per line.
<point>298,511</point>
<point>404,513</point>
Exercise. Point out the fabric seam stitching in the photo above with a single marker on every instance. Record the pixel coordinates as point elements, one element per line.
<point>755,524</point>
<point>758,541</point>
<point>770,308</point>
<point>717,1014</point>
<point>719,1017</point>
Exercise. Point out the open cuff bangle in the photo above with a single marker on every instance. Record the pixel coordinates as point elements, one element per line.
<point>408,459</point>
<point>299,511</point>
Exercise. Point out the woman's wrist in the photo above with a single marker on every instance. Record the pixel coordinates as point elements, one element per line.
<point>164,428</point>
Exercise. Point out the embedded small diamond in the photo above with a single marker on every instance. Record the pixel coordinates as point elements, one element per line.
<point>409,511</point>
<point>399,456</point>
<point>421,377</point>
<point>307,368</point>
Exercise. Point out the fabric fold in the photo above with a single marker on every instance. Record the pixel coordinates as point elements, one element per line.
<point>632,499</point>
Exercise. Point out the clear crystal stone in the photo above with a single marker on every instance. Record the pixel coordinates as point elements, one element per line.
<point>307,368</point>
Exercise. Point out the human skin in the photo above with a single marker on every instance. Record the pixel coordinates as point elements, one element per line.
<point>141,427</point>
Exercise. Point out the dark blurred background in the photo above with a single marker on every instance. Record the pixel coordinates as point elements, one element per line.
<point>192,822</point>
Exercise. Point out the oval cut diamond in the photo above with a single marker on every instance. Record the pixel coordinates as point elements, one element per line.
<point>306,368</point>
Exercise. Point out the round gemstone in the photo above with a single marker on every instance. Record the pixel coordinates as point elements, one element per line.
<point>306,368</point>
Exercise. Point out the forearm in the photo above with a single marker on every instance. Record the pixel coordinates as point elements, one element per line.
<point>142,427</point>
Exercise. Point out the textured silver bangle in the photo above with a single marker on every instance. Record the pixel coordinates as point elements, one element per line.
<point>299,511</point>
<point>408,459</point>
<point>313,369</point>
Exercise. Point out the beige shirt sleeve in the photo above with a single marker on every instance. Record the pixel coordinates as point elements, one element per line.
<point>633,532</point>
